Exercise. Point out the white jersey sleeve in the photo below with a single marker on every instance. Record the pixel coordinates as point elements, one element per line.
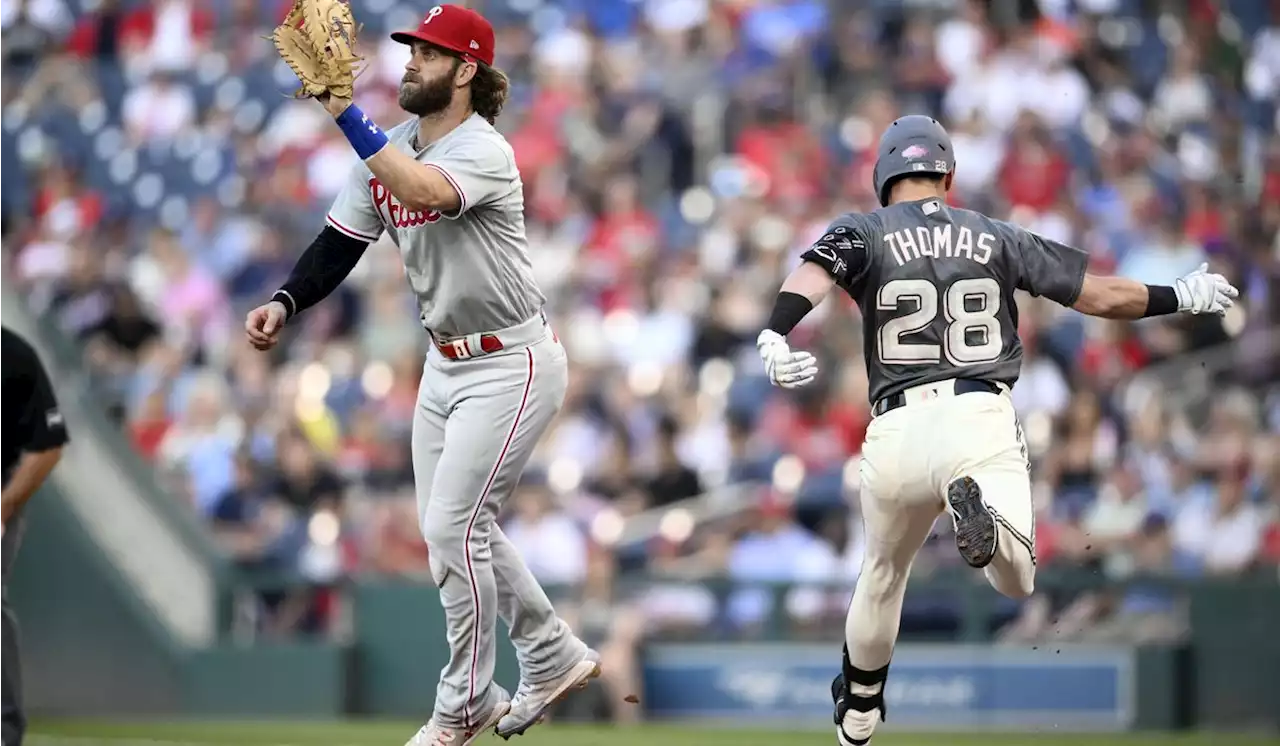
<point>481,169</point>
<point>353,213</point>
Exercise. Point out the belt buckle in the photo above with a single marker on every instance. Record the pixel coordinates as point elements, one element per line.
<point>460,349</point>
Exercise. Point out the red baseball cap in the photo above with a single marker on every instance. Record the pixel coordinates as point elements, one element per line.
<point>455,28</point>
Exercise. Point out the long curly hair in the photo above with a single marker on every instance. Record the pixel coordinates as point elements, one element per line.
<point>490,89</point>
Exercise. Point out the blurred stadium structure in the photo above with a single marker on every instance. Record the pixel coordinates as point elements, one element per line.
<point>235,533</point>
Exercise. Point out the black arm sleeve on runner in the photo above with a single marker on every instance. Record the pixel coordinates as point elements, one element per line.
<point>320,270</point>
<point>788,311</point>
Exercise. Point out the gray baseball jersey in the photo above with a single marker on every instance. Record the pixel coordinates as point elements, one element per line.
<point>471,271</point>
<point>478,418</point>
<point>935,286</point>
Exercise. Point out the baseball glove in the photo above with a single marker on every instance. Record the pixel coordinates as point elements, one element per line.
<point>317,39</point>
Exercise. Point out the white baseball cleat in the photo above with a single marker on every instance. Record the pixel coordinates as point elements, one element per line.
<point>532,700</point>
<point>856,727</point>
<point>432,734</point>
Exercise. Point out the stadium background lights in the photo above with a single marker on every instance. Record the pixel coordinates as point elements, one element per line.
<point>377,379</point>
<point>606,528</point>
<point>323,528</point>
<point>644,378</point>
<point>313,384</point>
<point>788,474</point>
<point>715,377</point>
<point>564,475</point>
<point>677,525</point>
<point>697,205</point>
<point>621,327</point>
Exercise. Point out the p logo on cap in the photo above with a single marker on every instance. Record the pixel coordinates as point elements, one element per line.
<point>455,29</point>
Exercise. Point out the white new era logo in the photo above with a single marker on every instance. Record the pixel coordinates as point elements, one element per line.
<point>475,44</point>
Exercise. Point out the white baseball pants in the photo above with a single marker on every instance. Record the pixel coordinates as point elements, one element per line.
<point>911,455</point>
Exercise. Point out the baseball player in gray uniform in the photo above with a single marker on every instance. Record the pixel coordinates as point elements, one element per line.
<point>444,186</point>
<point>935,285</point>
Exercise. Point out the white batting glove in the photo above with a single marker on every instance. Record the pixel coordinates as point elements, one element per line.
<point>1204,292</point>
<point>786,368</point>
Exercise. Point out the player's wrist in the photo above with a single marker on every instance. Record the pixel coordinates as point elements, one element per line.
<point>365,136</point>
<point>788,311</point>
<point>1163,300</point>
<point>286,301</point>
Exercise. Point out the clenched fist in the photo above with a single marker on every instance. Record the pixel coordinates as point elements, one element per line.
<point>785,367</point>
<point>263,325</point>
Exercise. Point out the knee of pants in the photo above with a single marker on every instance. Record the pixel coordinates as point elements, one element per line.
<point>1019,591</point>
<point>1017,581</point>
<point>446,545</point>
<point>881,579</point>
<point>1025,583</point>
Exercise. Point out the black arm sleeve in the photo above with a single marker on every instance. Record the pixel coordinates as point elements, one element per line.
<point>320,270</point>
<point>788,311</point>
<point>42,426</point>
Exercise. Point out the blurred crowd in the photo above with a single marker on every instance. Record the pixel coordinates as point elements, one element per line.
<point>677,156</point>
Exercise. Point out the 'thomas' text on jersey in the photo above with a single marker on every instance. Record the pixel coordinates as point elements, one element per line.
<point>935,285</point>
<point>936,243</point>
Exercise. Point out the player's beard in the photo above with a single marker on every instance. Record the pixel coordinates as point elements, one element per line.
<point>426,97</point>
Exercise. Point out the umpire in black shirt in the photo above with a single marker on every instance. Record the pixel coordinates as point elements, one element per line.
<point>34,434</point>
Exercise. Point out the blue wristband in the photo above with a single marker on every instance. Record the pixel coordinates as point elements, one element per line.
<point>365,136</point>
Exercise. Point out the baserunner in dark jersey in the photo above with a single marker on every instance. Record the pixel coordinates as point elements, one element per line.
<point>935,285</point>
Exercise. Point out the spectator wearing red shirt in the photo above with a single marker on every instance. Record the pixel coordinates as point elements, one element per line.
<point>623,237</point>
<point>62,204</point>
<point>1034,173</point>
<point>1203,223</point>
<point>150,424</point>
<point>1115,356</point>
<point>787,153</point>
<point>822,432</point>
<point>167,34</point>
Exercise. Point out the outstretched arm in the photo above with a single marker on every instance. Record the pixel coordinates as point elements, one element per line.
<point>1121,298</point>
<point>1057,271</point>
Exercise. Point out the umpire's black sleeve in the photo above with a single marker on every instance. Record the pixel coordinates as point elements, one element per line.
<point>320,270</point>
<point>41,426</point>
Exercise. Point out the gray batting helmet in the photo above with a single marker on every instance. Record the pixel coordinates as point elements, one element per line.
<point>914,144</point>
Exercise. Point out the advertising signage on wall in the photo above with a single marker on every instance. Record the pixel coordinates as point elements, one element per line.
<point>930,686</point>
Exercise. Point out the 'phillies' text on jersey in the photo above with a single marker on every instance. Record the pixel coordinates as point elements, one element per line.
<point>394,213</point>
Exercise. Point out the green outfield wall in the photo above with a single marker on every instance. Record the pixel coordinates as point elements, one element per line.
<point>92,647</point>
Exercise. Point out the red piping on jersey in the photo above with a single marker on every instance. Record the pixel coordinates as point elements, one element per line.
<point>475,513</point>
<point>348,231</point>
<point>462,196</point>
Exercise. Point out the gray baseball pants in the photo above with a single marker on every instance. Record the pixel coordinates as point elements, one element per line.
<point>477,423</point>
<point>15,720</point>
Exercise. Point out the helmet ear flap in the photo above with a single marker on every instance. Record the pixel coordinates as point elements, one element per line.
<point>879,185</point>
